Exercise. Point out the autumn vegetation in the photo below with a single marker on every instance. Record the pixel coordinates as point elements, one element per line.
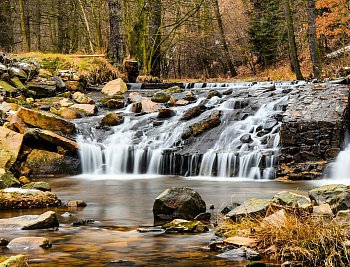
<point>198,39</point>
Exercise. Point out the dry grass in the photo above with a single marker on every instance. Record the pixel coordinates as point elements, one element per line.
<point>314,242</point>
<point>96,70</point>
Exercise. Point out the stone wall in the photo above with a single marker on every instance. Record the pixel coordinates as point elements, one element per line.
<point>313,130</point>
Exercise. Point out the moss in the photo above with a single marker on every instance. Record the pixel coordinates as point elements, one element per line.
<point>171,90</point>
<point>7,88</point>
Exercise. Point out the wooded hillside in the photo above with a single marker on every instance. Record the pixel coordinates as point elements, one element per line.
<point>187,38</point>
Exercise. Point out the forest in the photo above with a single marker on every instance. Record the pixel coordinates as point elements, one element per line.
<point>198,39</point>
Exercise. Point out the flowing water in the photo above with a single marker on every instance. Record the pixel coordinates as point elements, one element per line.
<point>244,145</point>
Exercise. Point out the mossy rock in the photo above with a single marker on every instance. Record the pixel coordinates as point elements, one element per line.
<point>184,226</point>
<point>171,90</point>
<point>42,186</point>
<point>118,96</point>
<point>14,261</point>
<point>17,83</point>
<point>7,179</point>
<point>160,97</point>
<point>112,119</point>
<point>7,88</point>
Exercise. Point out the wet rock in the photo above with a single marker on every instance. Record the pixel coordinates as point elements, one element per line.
<point>112,119</point>
<point>211,207</point>
<point>194,112</point>
<point>115,87</point>
<point>30,222</point>
<point>53,138</point>
<point>238,253</point>
<point>165,113</point>
<point>213,93</point>
<point>160,97</point>
<point>239,241</point>
<point>178,203</point>
<point>7,179</point>
<point>292,200</point>
<point>15,261</point>
<point>10,145</point>
<point>114,104</point>
<point>252,255</point>
<point>42,186</point>
<point>29,243</point>
<point>136,107</point>
<point>181,102</point>
<point>203,217</point>
<point>184,226</point>
<point>75,204</point>
<point>246,138</point>
<point>212,121</point>
<point>269,124</point>
<point>325,194</point>
<point>60,84</point>
<point>190,97</point>
<point>86,109</point>
<point>134,97</point>
<point>17,72</point>
<point>45,121</point>
<point>82,98</point>
<point>228,92</point>
<point>46,163</point>
<point>65,113</point>
<point>149,106</point>
<point>83,222</point>
<point>172,90</point>
<point>252,207</point>
<point>3,242</point>
<point>41,89</point>
<point>172,102</point>
<point>75,86</point>
<point>23,180</point>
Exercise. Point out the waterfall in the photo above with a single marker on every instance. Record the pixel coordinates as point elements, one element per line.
<point>244,145</point>
<point>341,167</point>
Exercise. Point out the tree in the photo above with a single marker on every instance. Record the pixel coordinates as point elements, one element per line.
<point>155,21</point>
<point>292,44</point>
<point>24,25</point>
<point>312,38</point>
<point>116,39</point>
<point>6,39</point>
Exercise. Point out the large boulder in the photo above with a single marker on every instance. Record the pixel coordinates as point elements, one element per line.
<point>178,203</point>
<point>86,109</point>
<point>290,199</point>
<point>45,121</point>
<point>45,163</point>
<point>7,179</point>
<point>325,194</point>
<point>30,222</point>
<point>29,243</point>
<point>112,119</point>
<point>251,208</point>
<point>41,89</point>
<point>10,145</point>
<point>115,87</point>
<point>16,198</point>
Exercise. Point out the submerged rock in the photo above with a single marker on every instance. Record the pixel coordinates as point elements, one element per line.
<point>178,203</point>
<point>29,243</point>
<point>30,222</point>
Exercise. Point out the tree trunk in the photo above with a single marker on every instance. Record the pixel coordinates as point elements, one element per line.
<point>6,40</point>
<point>86,24</point>
<point>115,38</point>
<point>292,44</point>
<point>313,46</point>
<point>155,22</point>
<point>37,24</point>
<point>223,39</point>
<point>24,26</point>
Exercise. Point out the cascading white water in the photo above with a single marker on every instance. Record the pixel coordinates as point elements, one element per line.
<point>145,145</point>
<point>341,167</point>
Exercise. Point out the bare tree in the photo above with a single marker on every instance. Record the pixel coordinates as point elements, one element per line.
<point>313,47</point>
<point>116,39</point>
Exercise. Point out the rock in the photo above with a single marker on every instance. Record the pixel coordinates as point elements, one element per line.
<point>134,97</point>
<point>29,243</point>
<point>41,89</point>
<point>269,124</point>
<point>172,102</point>
<point>181,102</point>
<point>160,97</point>
<point>228,208</point>
<point>60,84</point>
<point>136,107</point>
<point>252,207</point>
<point>53,138</point>
<point>115,87</point>
<point>323,210</point>
<point>340,202</point>
<point>7,89</point>
<point>3,242</point>
<point>65,102</point>
<point>112,119</point>
<point>82,98</point>
<point>45,121</point>
<point>208,123</point>
<point>239,241</point>
<point>149,106</point>
<point>277,219</point>
<point>16,124</point>
<point>15,261</point>
<point>114,104</point>
<point>213,93</point>
<point>46,163</point>
<point>178,203</point>
<point>203,217</point>
<point>211,207</point>
<point>16,198</point>
<point>165,113</point>
<point>292,200</point>
<point>190,97</point>
<point>42,186</point>
<point>75,86</point>
<point>30,222</point>
<point>17,83</point>
<point>246,139</point>
<point>7,179</point>
<point>23,180</point>
<point>171,90</point>
<point>227,92</point>
<point>237,253</point>
<point>65,113</point>
<point>121,262</point>
<point>184,226</point>
<point>10,145</point>
<point>150,230</point>
<point>86,109</point>
<point>75,204</point>
<point>194,112</point>
<point>82,222</point>
<point>252,255</point>
<point>326,193</point>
